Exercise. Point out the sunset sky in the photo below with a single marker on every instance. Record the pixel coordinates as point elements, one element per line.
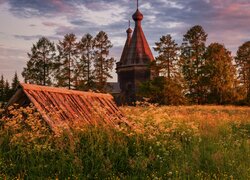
<point>23,22</point>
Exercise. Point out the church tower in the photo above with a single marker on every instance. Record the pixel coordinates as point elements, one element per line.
<point>134,65</point>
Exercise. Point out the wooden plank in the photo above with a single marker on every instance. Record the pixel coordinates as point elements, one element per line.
<point>68,108</point>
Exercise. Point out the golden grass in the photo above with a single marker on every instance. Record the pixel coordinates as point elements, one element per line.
<point>165,142</point>
<point>205,119</point>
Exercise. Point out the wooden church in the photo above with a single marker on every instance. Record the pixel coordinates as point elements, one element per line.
<point>134,65</point>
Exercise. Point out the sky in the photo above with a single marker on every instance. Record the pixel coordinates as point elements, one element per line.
<point>23,22</point>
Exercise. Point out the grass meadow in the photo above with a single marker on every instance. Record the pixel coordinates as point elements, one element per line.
<point>168,142</point>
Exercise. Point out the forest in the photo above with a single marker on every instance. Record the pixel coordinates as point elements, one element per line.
<point>189,73</point>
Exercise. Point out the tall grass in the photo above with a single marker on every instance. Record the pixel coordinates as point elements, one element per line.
<point>196,142</point>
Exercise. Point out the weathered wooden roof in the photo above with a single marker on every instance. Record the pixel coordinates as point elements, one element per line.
<point>125,51</point>
<point>136,50</point>
<point>63,108</point>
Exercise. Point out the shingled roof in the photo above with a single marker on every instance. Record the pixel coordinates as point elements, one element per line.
<point>136,49</point>
<point>125,51</point>
<point>134,66</point>
<point>63,108</point>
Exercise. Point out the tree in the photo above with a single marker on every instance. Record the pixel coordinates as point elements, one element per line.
<point>166,62</point>
<point>66,62</point>
<point>103,65</point>
<point>174,92</point>
<point>192,52</point>
<point>15,83</point>
<point>167,65</point>
<point>7,91</point>
<point>153,90</point>
<point>219,74</point>
<point>84,66</point>
<point>40,65</point>
<point>2,84</point>
<point>162,91</point>
<point>243,64</point>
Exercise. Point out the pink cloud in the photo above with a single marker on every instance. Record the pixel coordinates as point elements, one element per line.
<point>96,6</point>
<point>231,8</point>
<point>2,1</point>
<point>50,24</point>
<point>228,23</point>
<point>62,30</point>
<point>237,9</point>
<point>230,15</point>
<point>62,6</point>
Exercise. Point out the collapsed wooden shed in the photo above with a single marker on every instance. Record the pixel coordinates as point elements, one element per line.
<point>63,108</point>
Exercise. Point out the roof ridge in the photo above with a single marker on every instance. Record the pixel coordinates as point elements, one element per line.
<point>60,90</point>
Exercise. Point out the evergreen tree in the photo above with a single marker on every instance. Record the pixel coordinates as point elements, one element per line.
<point>162,91</point>
<point>7,91</point>
<point>243,64</point>
<point>2,85</point>
<point>167,65</point>
<point>103,65</point>
<point>15,83</point>
<point>40,65</point>
<point>219,74</point>
<point>192,52</point>
<point>66,62</point>
<point>153,90</point>
<point>166,62</point>
<point>84,66</point>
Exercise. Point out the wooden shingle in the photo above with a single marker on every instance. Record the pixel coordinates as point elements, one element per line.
<point>66,109</point>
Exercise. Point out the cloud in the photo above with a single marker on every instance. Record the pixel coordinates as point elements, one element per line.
<point>45,8</point>
<point>10,61</point>
<point>27,38</point>
<point>32,25</point>
<point>3,1</point>
<point>172,4</point>
<point>50,24</point>
<point>225,21</point>
<point>111,13</point>
<point>35,38</point>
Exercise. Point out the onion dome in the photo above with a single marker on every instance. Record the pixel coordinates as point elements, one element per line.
<point>137,16</point>
<point>129,31</point>
<point>136,50</point>
<point>126,46</point>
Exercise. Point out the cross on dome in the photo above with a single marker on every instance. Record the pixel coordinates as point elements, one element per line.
<point>137,16</point>
<point>129,30</point>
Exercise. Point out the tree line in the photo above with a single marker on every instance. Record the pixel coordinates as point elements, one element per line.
<point>190,73</point>
<point>7,90</point>
<point>194,73</point>
<point>81,65</point>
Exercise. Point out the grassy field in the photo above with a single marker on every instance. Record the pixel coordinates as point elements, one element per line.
<point>189,142</point>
